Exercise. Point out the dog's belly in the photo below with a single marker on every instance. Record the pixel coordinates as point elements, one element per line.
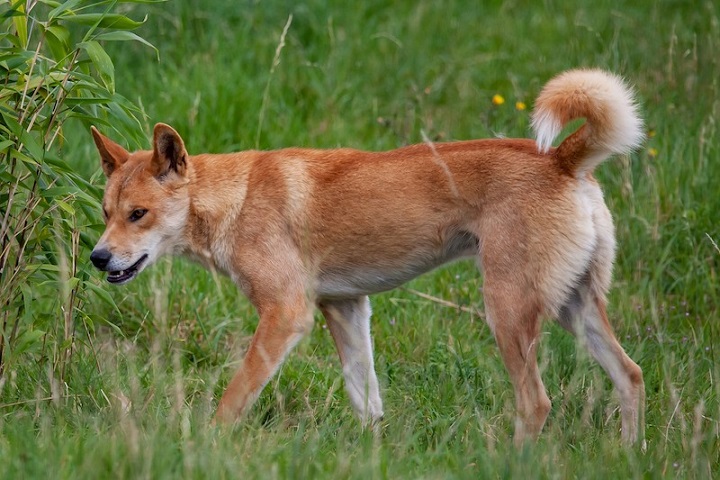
<point>355,279</point>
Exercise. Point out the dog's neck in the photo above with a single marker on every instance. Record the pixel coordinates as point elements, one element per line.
<point>216,188</point>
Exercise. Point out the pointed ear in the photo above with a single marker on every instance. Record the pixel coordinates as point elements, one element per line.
<point>169,154</point>
<point>111,154</point>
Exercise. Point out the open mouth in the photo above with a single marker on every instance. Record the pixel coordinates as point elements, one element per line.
<point>124,276</point>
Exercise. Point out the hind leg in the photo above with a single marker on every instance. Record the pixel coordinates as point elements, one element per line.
<point>514,317</point>
<point>586,317</point>
<point>349,323</point>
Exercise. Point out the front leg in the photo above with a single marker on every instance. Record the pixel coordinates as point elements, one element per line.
<point>282,325</point>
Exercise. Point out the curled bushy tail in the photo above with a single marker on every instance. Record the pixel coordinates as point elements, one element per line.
<point>607,104</point>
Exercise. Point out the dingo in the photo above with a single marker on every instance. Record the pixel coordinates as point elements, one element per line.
<point>300,228</point>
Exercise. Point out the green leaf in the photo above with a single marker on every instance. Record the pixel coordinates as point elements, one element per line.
<point>65,206</point>
<point>15,59</point>
<point>104,20</point>
<point>62,8</point>
<point>104,320</point>
<point>36,151</point>
<point>58,38</point>
<point>73,282</point>
<point>102,63</point>
<point>74,101</point>
<point>126,36</point>
<point>28,297</point>
<point>102,294</point>
<point>27,340</point>
<point>51,3</point>
<point>24,158</point>
<point>58,192</point>
<point>12,124</point>
<point>48,267</point>
<point>20,22</point>
<point>43,81</point>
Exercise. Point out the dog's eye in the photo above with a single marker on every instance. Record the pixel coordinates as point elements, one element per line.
<point>137,214</point>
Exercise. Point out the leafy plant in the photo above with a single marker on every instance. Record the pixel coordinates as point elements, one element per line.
<point>55,72</point>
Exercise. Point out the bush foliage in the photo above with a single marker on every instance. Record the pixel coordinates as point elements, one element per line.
<point>55,71</point>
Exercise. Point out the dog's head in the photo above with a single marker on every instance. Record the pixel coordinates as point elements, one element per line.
<point>145,204</point>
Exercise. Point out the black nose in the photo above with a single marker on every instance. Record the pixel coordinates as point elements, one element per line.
<point>100,258</point>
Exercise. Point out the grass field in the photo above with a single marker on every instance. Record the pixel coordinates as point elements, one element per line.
<point>141,389</point>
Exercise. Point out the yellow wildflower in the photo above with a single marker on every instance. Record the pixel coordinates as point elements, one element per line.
<point>498,99</point>
<point>652,152</point>
<point>520,106</point>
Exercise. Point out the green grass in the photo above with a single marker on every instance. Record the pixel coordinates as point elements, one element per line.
<point>137,398</point>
